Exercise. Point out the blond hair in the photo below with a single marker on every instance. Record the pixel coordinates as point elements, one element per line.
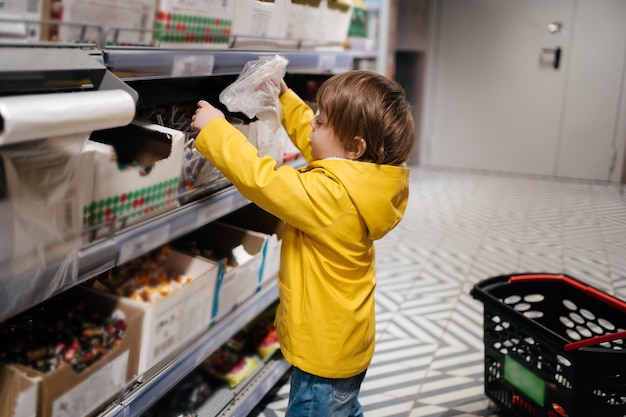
<point>368,105</point>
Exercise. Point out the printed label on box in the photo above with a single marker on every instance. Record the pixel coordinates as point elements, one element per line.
<point>27,403</point>
<point>89,394</point>
<point>166,330</point>
<point>194,21</point>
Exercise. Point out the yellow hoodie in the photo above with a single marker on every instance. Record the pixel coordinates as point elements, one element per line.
<point>333,211</point>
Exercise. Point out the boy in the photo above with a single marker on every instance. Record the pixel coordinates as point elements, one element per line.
<point>353,191</point>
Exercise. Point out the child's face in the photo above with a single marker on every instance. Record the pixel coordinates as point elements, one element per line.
<point>324,142</point>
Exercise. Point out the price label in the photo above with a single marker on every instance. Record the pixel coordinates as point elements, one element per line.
<point>326,62</point>
<point>143,243</point>
<point>192,65</point>
<point>216,210</point>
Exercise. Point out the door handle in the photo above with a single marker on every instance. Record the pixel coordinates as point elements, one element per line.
<point>556,52</point>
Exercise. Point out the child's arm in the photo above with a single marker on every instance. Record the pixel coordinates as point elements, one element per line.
<point>257,178</point>
<point>297,116</point>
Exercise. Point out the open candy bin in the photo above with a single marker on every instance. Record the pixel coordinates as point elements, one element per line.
<point>554,346</point>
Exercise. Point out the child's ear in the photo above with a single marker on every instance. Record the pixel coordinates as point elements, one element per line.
<point>358,148</point>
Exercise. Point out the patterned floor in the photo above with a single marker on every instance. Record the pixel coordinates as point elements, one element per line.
<point>462,227</point>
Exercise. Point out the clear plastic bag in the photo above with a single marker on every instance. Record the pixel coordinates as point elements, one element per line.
<point>255,91</point>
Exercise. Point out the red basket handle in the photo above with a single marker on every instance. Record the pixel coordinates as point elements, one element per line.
<point>605,298</point>
<point>595,340</point>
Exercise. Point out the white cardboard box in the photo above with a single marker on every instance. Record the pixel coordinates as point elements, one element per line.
<point>251,217</point>
<point>194,24</point>
<point>25,14</point>
<point>258,24</point>
<point>240,256</point>
<point>134,18</point>
<point>172,322</point>
<point>138,170</point>
<point>334,24</point>
<point>302,24</point>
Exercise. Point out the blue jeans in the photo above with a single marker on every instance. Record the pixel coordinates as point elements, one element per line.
<point>314,396</point>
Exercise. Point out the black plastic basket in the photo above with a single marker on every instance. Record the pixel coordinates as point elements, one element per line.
<point>554,346</point>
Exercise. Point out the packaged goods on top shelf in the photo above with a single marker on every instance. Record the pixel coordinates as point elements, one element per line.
<point>258,24</point>
<point>201,24</point>
<point>79,349</point>
<point>175,291</point>
<point>127,22</point>
<point>21,20</point>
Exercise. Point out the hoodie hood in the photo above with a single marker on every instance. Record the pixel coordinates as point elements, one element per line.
<point>379,192</point>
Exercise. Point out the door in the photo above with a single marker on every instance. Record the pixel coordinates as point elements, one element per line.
<point>500,96</point>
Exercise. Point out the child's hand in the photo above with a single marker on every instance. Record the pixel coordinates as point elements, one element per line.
<point>204,114</point>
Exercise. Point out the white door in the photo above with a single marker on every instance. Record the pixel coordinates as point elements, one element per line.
<point>499,92</point>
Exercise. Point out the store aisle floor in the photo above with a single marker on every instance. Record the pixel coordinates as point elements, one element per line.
<point>462,227</point>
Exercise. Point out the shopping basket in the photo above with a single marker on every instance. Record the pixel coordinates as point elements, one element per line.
<point>554,346</point>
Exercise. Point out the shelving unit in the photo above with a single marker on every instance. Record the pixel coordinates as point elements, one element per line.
<point>85,68</point>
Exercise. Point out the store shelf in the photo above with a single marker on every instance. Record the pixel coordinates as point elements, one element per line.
<point>154,63</point>
<point>149,392</point>
<point>30,69</point>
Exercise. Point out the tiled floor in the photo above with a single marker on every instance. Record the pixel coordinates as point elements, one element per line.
<point>462,227</point>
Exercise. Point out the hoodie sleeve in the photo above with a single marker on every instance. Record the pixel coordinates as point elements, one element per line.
<point>285,192</point>
<point>297,116</point>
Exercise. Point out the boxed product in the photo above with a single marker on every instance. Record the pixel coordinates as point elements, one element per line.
<point>18,393</point>
<point>138,170</point>
<point>25,27</point>
<point>175,291</point>
<point>335,18</point>
<point>258,24</point>
<point>79,350</point>
<point>239,253</point>
<point>251,217</point>
<point>302,26</point>
<point>118,22</point>
<point>198,23</point>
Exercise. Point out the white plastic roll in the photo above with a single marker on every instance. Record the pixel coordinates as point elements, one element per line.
<point>37,116</point>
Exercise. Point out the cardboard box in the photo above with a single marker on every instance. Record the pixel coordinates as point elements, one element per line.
<point>18,393</point>
<point>138,171</point>
<point>194,24</point>
<point>251,217</point>
<point>302,24</point>
<point>258,24</point>
<point>172,322</point>
<point>67,393</point>
<point>26,15</point>
<point>134,19</point>
<point>335,17</point>
<point>239,253</point>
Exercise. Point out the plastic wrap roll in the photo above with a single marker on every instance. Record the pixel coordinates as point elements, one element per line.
<point>44,174</point>
<point>28,117</point>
